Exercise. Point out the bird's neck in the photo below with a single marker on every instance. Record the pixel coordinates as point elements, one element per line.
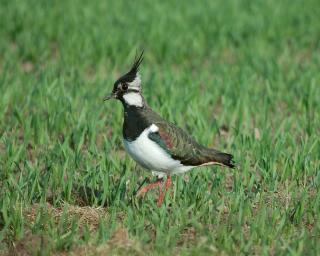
<point>133,100</point>
<point>135,119</point>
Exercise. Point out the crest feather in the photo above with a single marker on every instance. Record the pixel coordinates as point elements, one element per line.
<point>137,62</point>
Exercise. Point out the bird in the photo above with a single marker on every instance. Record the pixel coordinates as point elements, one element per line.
<point>154,143</point>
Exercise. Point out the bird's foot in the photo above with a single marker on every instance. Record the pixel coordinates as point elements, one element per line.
<point>142,191</point>
<point>163,193</point>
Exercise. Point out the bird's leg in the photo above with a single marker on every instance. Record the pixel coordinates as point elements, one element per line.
<point>146,188</point>
<point>163,193</point>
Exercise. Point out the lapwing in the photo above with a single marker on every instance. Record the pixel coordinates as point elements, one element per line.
<point>154,143</point>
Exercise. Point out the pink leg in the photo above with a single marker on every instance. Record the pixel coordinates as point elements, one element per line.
<point>163,193</point>
<point>146,188</point>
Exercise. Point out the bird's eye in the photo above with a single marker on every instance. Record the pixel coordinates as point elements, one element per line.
<point>124,86</point>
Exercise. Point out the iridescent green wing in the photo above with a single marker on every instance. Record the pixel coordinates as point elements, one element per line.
<point>179,144</point>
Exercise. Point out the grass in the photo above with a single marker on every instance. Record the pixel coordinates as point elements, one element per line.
<point>242,76</point>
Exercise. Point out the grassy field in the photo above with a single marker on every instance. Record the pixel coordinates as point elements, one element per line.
<point>241,76</point>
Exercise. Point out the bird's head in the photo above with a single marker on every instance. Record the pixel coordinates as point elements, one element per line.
<point>128,87</point>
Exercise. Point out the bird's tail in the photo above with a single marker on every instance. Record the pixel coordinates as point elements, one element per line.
<point>217,157</point>
<point>225,159</point>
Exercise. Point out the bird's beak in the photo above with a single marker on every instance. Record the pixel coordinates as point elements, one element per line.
<point>110,96</point>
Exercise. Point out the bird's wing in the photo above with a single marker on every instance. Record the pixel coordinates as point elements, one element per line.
<point>180,145</point>
<point>185,148</point>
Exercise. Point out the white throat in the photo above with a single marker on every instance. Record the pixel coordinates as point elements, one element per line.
<point>133,99</point>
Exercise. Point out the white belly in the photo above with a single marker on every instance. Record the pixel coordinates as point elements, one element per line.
<point>151,156</point>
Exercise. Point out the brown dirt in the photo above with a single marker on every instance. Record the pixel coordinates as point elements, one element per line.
<point>30,244</point>
<point>86,215</point>
<point>119,244</point>
<point>27,66</point>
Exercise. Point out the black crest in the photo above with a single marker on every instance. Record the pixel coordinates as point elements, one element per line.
<point>137,62</point>
<point>131,75</point>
